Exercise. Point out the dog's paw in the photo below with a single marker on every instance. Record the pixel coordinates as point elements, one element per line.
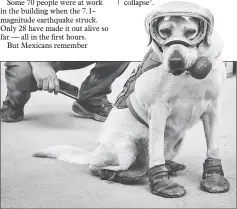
<point>108,175</point>
<point>132,175</point>
<point>213,177</point>
<point>161,185</point>
<point>215,183</point>
<point>167,188</point>
<point>174,167</point>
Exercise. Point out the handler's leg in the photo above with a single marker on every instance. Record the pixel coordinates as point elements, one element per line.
<point>93,101</point>
<point>20,82</point>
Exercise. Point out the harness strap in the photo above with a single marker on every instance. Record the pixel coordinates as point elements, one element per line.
<point>134,113</point>
<point>149,62</point>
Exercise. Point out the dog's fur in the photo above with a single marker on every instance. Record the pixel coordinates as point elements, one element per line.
<point>171,104</point>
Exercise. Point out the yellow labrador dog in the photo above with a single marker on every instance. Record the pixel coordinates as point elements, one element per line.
<point>178,83</point>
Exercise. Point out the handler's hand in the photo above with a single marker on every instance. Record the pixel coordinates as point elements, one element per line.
<point>45,77</point>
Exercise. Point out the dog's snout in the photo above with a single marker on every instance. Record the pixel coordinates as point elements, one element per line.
<point>176,61</point>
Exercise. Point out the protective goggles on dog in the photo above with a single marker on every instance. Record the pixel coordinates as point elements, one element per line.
<point>185,41</point>
<point>183,9</point>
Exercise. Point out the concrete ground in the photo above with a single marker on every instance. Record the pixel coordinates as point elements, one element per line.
<point>28,182</point>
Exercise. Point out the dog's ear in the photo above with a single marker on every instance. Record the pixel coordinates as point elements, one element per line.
<point>157,50</point>
<point>154,46</point>
<point>211,46</point>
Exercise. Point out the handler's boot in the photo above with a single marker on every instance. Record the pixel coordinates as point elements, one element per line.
<point>96,112</point>
<point>213,177</point>
<point>10,113</point>
<point>161,185</point>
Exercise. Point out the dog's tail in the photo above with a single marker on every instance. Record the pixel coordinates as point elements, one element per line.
<point>66,153</point>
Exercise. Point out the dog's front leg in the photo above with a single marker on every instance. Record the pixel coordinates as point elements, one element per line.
<point>213,175</point>
<point>160,184</point>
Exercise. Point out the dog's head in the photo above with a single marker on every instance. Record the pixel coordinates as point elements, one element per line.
<point>176,30</point>
<point>178,52</point>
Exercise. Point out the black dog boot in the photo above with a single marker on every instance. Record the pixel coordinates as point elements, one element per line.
<point>161,185</point>
<point>213,177</point>
<point>108,175</point>
<point>129,176</point>
<point>174,167</point>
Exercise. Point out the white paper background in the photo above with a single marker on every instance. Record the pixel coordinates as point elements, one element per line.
<point>127,39</point>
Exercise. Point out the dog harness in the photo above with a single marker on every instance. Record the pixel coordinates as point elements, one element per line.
<point>152,60</point>
<point>123,101</point>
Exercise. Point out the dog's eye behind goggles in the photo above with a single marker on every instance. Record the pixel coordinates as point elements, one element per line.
<point>177,40</point>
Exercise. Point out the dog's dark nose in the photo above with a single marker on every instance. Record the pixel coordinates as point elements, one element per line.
<point>176,61</point>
